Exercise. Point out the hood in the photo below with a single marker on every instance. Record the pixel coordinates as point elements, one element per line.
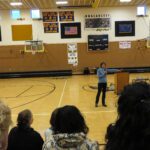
<point>69,140</point>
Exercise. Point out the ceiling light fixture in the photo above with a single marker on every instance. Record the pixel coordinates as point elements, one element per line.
<point>15,3</point>
<point>125,0</point>
<point>61,2</point>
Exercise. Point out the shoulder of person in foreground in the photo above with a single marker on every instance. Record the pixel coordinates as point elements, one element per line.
<point>87,145</point>
<point>37,134</point>
<point>93,145</point>
<point>48,133</point>
<point>49,144</point>
<point>38,139</point>
<point>110,131</point>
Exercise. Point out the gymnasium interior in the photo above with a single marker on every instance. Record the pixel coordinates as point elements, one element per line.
<point>50,51</point>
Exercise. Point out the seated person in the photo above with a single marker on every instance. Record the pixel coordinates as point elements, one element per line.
<point>131,131</point>
<point>23,137</point>
<point>5,122</point>
<point>70,132</point>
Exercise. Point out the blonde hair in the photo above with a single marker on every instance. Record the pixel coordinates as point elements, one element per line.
<point>5,117</point>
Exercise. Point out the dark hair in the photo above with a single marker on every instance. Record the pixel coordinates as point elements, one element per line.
<point>53,117</point>
<point>70,120</point>
<point>132,128</point>
<point>102,63</point>
<point>24,118</point>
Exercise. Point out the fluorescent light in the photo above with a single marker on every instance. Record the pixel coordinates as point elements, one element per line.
<point>61,2</point>
<point>15,3</point>
<point>125,0</point>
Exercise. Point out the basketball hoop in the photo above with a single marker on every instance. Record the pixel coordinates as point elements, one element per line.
<point>34,46</point>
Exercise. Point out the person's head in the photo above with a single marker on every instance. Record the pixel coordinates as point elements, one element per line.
<point>103,65</point>
<point>132,128</point>
<point>70,120</point>
<point>5,122</point>
<point>25,118</point>
<point>133,98</point>
<point>53,117</point>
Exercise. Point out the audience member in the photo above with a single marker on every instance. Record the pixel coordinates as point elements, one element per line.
<point>131,131</point>
<point>23,137</point>
<point>5,122</point>
<point>70,132</point>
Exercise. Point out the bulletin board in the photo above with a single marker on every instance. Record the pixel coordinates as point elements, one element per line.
<point>97,42</point>
<point>21,32</point>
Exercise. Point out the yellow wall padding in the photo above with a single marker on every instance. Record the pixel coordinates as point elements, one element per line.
<point>21,32</point>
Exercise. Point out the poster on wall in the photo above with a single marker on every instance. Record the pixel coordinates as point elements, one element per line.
<point>72,54</point>
<point>66,16</point>
<point>50,16</point>
<point>51,27</point>
<point>125,45</point>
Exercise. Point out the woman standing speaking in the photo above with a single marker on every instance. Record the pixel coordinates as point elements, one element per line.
<point>102,82</point>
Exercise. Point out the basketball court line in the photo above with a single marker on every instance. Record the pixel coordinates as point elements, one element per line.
<point>62,94</point>
<point>29,88</point>
<point>90,112</point>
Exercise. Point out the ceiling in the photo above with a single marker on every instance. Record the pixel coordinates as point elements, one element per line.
<point>49,4</point>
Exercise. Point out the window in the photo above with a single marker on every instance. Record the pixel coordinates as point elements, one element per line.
<point>141,10</point>
<point>15,14</point>
<point>35,14</point>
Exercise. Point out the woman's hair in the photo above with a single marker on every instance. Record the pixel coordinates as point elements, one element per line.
<point>5,117</point>
<point>102,63</point>
<point>70,120</point>
<point>53,117</point>
<point>132,128</point>
<point>24,118</point>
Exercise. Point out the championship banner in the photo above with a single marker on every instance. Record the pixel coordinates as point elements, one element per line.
<point>51,27</point>
<point>50,16</point>
<point>98,21</point>
<point>66,16</point>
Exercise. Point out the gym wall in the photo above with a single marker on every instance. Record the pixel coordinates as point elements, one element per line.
<point>55,55</point>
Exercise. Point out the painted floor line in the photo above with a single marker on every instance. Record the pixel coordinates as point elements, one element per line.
<point>62,94</point>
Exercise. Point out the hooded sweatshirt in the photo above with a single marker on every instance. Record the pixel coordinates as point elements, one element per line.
<point>76,141</point>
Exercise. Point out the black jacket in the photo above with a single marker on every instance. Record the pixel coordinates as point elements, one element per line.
<point>24,139</point>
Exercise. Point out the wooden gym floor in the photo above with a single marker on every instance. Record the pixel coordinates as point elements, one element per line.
<point>43,95</point>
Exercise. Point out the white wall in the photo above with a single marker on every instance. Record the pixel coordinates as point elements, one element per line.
<point>117,14</point>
